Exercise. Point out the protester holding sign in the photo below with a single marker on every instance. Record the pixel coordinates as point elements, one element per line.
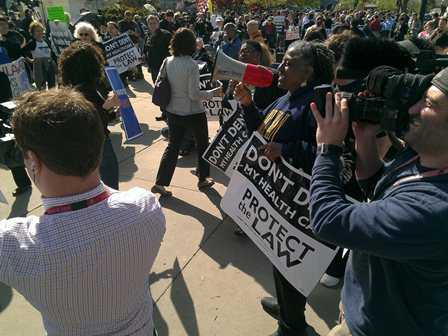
<point>289,127</point>
<point>185,110</point>
<point>81,66</point>
<point>113,32</point>
<point>130,27</point>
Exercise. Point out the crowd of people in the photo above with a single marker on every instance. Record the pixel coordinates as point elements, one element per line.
<point>396,272</point>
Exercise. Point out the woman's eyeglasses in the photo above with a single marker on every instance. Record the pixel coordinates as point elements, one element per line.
<point>84,34</point>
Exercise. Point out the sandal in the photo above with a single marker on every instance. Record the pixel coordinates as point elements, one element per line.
<point>161,190</point>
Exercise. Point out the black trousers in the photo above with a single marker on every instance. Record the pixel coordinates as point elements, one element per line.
<point>197,124</point>
<point>337,266</point>
<point>20,176</point>
<point>291,306</point>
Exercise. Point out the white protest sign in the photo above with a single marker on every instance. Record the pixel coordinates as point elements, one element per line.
<point>217,106</point>
<point>18,79</point>
<point>279,21</point>
<point>60,36</point>
<point>269,201</point>
<point>121,53</point>
<point>292,33</point>
<point>226,148</point>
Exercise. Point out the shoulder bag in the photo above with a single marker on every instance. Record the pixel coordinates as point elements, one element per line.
<point>162,90</point>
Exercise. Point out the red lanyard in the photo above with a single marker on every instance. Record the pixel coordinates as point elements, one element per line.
<point>78,205</point>
<point>420,176</point>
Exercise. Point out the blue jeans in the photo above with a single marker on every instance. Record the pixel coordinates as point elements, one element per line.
<point>109,166</point>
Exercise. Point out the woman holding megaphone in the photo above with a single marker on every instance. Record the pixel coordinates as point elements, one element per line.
<point>289,128</point>
<point>185,111</point>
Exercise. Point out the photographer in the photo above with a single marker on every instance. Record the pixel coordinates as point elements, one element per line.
<point>395,281</point>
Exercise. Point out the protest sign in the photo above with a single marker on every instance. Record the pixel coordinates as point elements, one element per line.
<point>18,78</point>
<point>131,125</point>
<point>292,33</point>
<point>56,13</point>
<point>269,201</point>
<point>60,36</point>
<point>121,53</point>
<point>223,151</point>
<point>279,21</point>
<point>217,107</point>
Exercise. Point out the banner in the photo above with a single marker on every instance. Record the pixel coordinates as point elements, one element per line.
<point>225,149</point>
<point>217,107</point>
<point>18,79</point>
<point>269,201</point>
<point>56,13</point>
<point>121,53</point>
<point>279,21</point>
<point>60,36</point>
<point>131,125</point>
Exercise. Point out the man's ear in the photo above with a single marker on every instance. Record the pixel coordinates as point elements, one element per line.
<point>35,163</point>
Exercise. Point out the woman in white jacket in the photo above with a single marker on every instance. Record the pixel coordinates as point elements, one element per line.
<point>185,110</point>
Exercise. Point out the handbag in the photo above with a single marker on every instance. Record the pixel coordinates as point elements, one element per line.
<point>162,89</point>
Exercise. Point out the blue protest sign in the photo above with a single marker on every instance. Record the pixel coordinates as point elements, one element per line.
<point>131,125</point>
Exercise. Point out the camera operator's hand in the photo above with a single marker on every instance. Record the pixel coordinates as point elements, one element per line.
<point>332,128</point>
<point>242,94</point>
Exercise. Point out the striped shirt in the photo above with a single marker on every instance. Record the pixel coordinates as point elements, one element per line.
<point>87,271</point>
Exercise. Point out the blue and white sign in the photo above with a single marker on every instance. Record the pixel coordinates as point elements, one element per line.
<point>131,125</point>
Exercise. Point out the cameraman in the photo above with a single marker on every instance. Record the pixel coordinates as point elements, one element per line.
<point>396,276</point>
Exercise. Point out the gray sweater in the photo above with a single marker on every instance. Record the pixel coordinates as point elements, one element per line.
<point>183,75</point>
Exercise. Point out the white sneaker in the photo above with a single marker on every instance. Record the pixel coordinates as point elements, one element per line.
<point>329,281</point>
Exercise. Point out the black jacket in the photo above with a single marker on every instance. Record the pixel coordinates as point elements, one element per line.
<point>156,48</point>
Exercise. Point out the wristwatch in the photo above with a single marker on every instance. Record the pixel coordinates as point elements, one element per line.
<point>329,149</point>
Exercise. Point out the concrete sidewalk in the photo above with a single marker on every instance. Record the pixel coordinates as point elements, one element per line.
<point>206,280</point>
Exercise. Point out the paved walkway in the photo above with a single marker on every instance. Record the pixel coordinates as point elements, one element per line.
<point>205,281</point>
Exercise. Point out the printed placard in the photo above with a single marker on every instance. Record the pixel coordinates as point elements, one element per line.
<point>60,36</point>
<point>131,125</point>
<point>269,201</point>
<point>122,53</point>
<point>292,33</point>
<point>225,149</point>
<point>18,78</point>
<point>217,107</point>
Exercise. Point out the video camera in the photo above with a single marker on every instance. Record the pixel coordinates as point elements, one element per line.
<point>427,62</point>
<point>394,95</point>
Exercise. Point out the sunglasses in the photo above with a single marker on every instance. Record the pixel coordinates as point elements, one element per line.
<point>84,34</point>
